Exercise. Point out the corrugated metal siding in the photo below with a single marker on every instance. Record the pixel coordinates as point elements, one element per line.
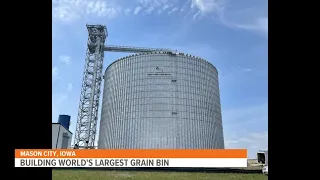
<point>58,133</point>
<point>161,101</point>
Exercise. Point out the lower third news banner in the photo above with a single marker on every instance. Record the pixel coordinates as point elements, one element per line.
<point>130,158</point>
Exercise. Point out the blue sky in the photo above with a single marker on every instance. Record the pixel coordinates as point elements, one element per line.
<point>231,34</point>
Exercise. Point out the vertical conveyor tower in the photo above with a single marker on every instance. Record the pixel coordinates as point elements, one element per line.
<point>86,127</point>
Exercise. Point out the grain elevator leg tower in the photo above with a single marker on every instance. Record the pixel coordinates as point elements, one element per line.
<point>89,99</point>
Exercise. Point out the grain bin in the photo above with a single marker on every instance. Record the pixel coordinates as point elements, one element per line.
<point>161,101</point>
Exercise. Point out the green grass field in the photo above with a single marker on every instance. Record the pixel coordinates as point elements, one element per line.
<point>141,175</point>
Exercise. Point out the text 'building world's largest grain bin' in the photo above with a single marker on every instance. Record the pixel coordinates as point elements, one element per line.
<point>161,101</point>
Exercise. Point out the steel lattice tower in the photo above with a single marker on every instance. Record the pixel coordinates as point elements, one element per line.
<point>90,93</point>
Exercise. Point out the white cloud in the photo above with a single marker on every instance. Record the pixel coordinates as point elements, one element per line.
<point>70,87</point>
<point>245,69</point>
<point>166,6</point>
<point>163,8</point>
<point>259,25</point>
<point>71,10</point>
<point>149,10</point>
<point>242,18</point>
<point>149,6</point>
<point>154,3</point>
<point>262,24</point>
<point>100,9</point>
<point>207,6</point>
<point>65,59</point>
<point>173,10</point>
<point>127,11</point>
<point>64,13</point>
<point>55,72</point>
<point>196,15</point>
<point>137,10</point>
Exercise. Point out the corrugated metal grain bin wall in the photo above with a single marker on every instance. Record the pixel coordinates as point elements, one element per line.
<point>161,101</point>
